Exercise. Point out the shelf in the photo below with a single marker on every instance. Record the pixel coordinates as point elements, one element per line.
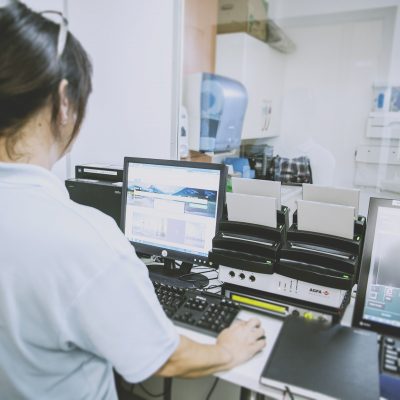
<point>378,155</point>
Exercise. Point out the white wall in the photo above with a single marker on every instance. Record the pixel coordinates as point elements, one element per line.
<point>343,48</point>
<point>131,110</point>
<point>300,8</point>
<point>286,10</point>
<point>327,89</point>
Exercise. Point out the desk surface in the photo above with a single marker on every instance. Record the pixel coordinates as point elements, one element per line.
<point>248,374</point>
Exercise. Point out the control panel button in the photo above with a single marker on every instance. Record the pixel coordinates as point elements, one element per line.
<point>308,315</point>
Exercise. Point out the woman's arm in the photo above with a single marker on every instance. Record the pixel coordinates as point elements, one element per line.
<point>235,345</point>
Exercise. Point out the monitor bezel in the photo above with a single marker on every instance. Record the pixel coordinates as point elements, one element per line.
<point>358,320</point>
<point>159,251</point>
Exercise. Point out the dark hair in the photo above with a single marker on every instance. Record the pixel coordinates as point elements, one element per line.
<point>30,71</point>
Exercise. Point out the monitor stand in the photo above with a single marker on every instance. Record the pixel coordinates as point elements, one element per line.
<point>177,275</point>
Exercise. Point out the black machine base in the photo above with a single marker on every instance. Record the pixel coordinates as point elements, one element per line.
<point>177,275</point>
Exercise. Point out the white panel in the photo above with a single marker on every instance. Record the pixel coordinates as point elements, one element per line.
<point>334,195</point>
<point>391,185</point>
<point>328,89</point>
<point>282,285</point>
<point>258,187</point>
<point>264,78</point>
<point>41,5</point>
<point>386,126</point>
<point>260,69</point>
<point>260,210</point>
<point>130,110</point>
<point>191,100</point>
<point>380,132</point>
<point>331,219</point>
<point>230,56</point>
<point>301,8</point>
<point>378,154</point>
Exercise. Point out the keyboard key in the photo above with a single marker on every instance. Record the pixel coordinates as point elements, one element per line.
<point>391,353</point>
<point>390,357</point>
<point>389,367</point>
<point>205,312</point>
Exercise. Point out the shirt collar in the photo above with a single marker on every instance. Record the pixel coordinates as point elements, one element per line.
<point>31,175</point>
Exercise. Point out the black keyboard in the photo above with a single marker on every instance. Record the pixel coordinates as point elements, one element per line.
<point>390,355</point>
<point>207,313</point>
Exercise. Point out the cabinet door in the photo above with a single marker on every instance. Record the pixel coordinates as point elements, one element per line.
<point>261,70</point>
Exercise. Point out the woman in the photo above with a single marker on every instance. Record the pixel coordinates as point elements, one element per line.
<point>75,300</point>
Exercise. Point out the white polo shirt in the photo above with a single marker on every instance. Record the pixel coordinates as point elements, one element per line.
<point>75,300</point>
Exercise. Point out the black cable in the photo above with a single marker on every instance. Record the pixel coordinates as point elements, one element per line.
<point>132,388</point>
<point>215,285</point>
<point>214,279</point>
<point>201,282</point>
<point>198,273</point>
<point>195,280</point>
<point>289,392</point>
<point>167,388</point>
<point>149,393</point>
<point>212,287</point>
<point>212,388</point>
<point>202,267</point>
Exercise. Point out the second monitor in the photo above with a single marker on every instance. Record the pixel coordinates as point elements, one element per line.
<point>171,209</point>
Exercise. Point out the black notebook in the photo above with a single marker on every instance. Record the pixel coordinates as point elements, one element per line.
<point>321,362</point>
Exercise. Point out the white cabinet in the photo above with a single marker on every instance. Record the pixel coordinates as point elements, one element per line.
<point>383,125</point>
<point>261,70</point>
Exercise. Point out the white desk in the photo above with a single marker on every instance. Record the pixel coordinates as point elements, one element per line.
<point>248,374</point>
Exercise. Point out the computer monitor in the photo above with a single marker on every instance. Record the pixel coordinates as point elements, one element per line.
<point>172,209</point>
<point>377,306</point>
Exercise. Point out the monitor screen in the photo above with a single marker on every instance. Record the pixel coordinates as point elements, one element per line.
<point>171,208</point>
<point>378,294</point>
